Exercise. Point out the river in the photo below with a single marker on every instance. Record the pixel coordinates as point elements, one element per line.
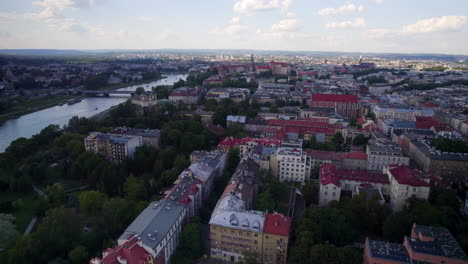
<point>33,123</point>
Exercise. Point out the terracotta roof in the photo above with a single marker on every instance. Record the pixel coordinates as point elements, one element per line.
<point>356,155</point>
<point>277,224</point>
<point>130,251</point>
<point>407,176</point>
<point>330,174</point>
<point>341,98</point>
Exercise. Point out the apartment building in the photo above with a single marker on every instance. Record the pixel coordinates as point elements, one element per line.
<point>246,144</point>
<point>380,156</point>
<point>130,252</point>
<point>425,245</point>
<point>401,113</point>
<point>187,95</point>
<point>333,181</point>
<point>291,164</point>
<point>150,137</point>
<point>189,192</point>
<point>451,166</point>
<point>158,227</point>
<point>235,228</point>
<point>405,183</point>
<point>114,148</point>
<point>147,99</point>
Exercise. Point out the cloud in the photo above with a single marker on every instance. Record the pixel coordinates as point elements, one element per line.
<point>5,35</point>
<point>437,24</point>
<point>285,25</point>
<point>424,26</point>
<point>145,18</point>
<point>234,20</point>
<point>8,15</point>
<point>248,7</point>
<point>63,4</point>
<point>344,9</point>
<point>358,23</point>
<point>233,29</point>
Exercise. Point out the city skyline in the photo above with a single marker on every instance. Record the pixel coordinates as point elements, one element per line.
<point>378,26</point>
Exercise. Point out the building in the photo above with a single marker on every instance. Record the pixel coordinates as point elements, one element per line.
<point>405,183</point>
<point>187,95</point>
<point>246,144</point>
<point>380,156</point>
<point>158,226</point>
<point>291,164</point>
<point>206,116</point>
<point>235,228</point>
<point>451,166</point>
<point>232,119</point>
<point>345,105</point>
<point>376,251</point>
<point>276,238</point>
<point>333,181</point>
<point>387,125</point>
<point>262,156</point>
<point>401,113</point>
<point>279,68</point>
<point>147,99</point>
<point>379,88</point>
<point>131,251</point>
<point>115,148</point>
<point>235,94</point>
<point>189,192</point>
<point>425,245</point>
<point>150,137</point>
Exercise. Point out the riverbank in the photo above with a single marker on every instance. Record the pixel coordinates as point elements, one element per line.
<point>30,106</point>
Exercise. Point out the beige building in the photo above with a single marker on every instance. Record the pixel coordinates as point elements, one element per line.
<point>406,183</point>
<point>380,156</point>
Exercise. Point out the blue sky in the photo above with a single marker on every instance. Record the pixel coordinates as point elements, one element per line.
<point>431,26</point>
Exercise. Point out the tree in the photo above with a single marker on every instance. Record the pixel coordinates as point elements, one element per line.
<point>293,73</point>
<point>181,163</point>
<point>92,202</point>
<point>190,247</point>
<point>78,255</point>
<point>134,188</point>
<point>117,213</point>
<point>233,159</point>
<point>7,229</point>
<point>310,192</point>
<point>56,194</point>
<point>140,90</point>
<point>353,122</point>
<point>337,140</point>
<point>360,140</point>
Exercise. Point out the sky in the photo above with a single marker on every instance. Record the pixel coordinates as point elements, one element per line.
<point>397,26</point>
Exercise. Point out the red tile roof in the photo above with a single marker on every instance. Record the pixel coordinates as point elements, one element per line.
<point>330,174</point>
<point>277,224</point>
<point>356,155</point>
<point>407,176</point>
<point>230,142</point>
<point>339,98</point>
<point>130,251</point>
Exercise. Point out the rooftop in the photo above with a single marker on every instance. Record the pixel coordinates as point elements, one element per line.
<point>277,224</point>
<point>408,176</point>
<point>153,223</point>
<point>341,98</point>
<point>388,251</point>
<point>435,241</point>
<point>330,174</point>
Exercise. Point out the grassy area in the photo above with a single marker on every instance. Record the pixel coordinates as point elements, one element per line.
<point>33,105</point>
<point>25,213</point>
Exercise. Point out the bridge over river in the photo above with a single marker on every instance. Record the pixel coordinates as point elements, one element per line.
<point>106,93</point>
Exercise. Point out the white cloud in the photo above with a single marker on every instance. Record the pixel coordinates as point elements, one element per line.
<point>63,4</point>
<point>234,20</point>
<point>8,15</point>
<point>145,18</point>
<point>425,26</point>
<point>233,29</point>
<point>248,7</point>
<point>350,8</point>
<point>435,24</point>
<point>285,25</point>
<point>358,23</point>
